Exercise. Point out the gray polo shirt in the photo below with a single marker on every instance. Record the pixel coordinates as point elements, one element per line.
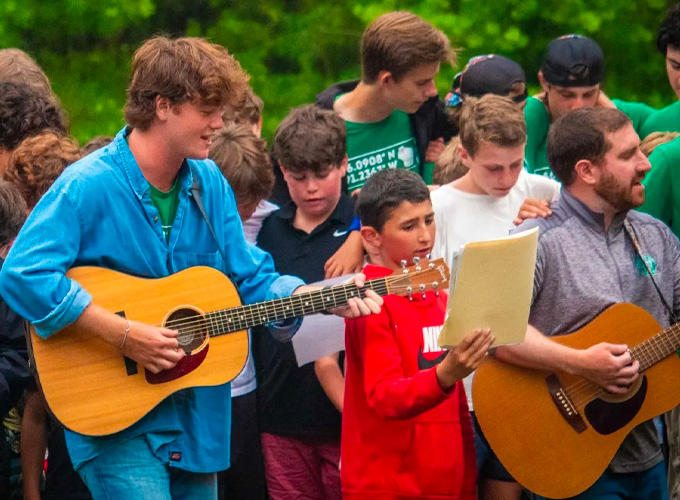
<point>581,269</point>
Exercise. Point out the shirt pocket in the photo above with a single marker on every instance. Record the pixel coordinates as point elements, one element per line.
<point>434,461</point>
<point>193,259</point>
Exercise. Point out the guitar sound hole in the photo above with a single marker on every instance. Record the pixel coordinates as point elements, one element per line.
<point>192,328</point>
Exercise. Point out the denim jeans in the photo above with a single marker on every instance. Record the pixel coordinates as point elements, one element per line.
<point>131,471</point>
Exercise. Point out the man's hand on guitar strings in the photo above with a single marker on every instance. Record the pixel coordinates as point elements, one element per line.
<point>356,307</point>
<point>610,366</point>
<point>156,349</point>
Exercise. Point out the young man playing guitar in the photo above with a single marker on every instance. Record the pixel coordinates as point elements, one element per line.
<point>130,207</point>
<point>588,259</point>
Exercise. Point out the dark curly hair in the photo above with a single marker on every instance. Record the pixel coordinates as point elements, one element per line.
<point>25,113</point>
<point>669,31</point>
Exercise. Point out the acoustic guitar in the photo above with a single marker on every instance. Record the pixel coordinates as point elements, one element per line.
<point>92,389</point>
<point>556,433</point>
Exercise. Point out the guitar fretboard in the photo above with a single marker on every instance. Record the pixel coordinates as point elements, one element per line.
<point>302,304</point>
<point>658,347</point>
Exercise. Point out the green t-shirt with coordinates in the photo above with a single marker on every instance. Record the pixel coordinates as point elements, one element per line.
<point>166,202</point>
<point>372,147</point>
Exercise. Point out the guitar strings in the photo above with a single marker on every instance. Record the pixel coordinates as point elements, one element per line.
<point>651,351</point>
<point>200,323</point>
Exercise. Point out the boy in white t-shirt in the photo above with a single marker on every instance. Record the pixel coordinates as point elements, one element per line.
<point>482,205</point>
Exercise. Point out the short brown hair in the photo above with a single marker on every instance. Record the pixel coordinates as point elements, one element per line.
<point>494,119</point>
<point>182,70</point>
<point>449,166</point>
<point>310,139</point>
<point>12,212</point>
<point>244,162</point>
<point>399,42</point>
<point>37,162</point>
<point>649,143</point>
<point>581,135</point>
<point>250,113</point>
<point>17,66</point>
<point>97,142</point>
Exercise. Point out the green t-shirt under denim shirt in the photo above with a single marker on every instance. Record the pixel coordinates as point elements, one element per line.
<point>166,202</point>
<point>538,123</point>
<point>663,120</point>
<point>372,147</point>
<point>662,185</point>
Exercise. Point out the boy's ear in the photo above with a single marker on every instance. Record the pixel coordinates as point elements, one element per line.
<point>343,166</point>
<point>163,107</point>
<point>464,155</point>
<point>371,239</point>
<point>384,78</point>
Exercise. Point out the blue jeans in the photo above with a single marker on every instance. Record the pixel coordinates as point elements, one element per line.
<point>131,471</point>
<point>646,485</point>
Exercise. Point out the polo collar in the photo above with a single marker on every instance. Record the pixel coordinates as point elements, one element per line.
<point>592,219</point>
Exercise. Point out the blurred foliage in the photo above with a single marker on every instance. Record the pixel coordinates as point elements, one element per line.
<point>293,49</point>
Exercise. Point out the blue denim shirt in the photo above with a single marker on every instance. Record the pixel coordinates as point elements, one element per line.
<point>99,213</point>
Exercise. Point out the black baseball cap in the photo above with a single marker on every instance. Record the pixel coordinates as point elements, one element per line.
<point>487,74</point>
<point>573,61</point>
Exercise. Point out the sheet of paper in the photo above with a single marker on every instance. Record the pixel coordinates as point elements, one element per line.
<point>492,283</point>
<point>320,334</point>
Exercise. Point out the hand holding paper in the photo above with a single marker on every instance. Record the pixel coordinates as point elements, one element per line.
<point>492,289</point>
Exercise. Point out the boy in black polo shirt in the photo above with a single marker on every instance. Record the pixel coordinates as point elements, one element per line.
<point>300,426</point>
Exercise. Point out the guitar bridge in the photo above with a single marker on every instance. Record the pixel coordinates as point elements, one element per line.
<point>564,404</point>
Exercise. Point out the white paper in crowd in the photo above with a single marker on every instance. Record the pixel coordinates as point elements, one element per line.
<point>320,334</point>
<point>492,284</point>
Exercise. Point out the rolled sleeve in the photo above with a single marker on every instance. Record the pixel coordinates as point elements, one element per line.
<point>284,286</point>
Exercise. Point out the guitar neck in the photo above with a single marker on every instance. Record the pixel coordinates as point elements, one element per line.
<point>657,348</point>
<point>302,304</point>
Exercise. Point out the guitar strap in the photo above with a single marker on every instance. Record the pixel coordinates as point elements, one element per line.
<point>631,233</point>
<point>196,195</point>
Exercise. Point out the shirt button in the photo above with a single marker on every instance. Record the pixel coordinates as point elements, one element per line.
<point>155,219</point>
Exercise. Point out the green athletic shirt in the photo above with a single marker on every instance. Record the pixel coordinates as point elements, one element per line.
<point>166,202</point>
<point>662,185</point>
<point>372,147</point>
<point>538,123</point>
<point>664,120</point>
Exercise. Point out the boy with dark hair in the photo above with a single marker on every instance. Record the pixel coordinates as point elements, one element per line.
<point>178,91</point>
<point>24,113</point>
<point>481,205</point>
<point>299,424</point>
<point>406,429</point>
<point>394,117</point>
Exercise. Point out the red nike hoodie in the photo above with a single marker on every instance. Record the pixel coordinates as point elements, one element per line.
<point>402,436</point>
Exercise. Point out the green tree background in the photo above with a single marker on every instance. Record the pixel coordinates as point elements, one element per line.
<point>293,49</point>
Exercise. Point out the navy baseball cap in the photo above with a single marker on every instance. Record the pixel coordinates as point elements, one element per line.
<point>573,61</point>
<point>487,74</point>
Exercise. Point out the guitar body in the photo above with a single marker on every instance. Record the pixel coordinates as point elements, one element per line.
<point>93,389</point>
<point>545,448</point>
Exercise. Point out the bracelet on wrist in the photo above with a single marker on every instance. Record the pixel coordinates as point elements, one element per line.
<point>127,331</point>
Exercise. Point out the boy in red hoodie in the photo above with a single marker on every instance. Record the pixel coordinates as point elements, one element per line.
<point>406,429</point>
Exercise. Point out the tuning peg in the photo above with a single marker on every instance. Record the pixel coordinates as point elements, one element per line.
<point>409,292</point>
<point>435,287</point>
<point>431,265</point>
<point>428,256</point>
<point>416,260</point>
<point>422,290</point>
<point>404,270</point>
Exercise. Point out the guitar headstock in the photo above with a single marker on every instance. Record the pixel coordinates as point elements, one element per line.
<point>425,274</point>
